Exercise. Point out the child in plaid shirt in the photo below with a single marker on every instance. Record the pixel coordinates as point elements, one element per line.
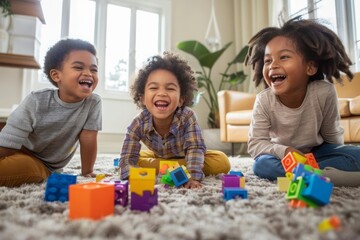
<point>167,125</point>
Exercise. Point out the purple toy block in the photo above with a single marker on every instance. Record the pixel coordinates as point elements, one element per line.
<point>230,181</point>
<point>231,193</point>
<point>144,202</point>
<point>121,193</point>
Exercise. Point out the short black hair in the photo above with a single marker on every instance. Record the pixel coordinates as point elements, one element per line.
<point>312,39</point>
<point>57,53</point>
<point>173,63</point>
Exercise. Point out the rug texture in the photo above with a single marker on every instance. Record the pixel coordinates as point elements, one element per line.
<point>180,213</point>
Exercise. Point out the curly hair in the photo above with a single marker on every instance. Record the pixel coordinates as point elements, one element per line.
<point>170,62</point>
<point>56,55</point>
<point>314,41</point>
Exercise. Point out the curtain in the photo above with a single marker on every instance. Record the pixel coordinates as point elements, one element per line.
<point>251,16</point>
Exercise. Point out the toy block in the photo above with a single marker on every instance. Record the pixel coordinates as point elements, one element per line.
<point>302,170</point>
<point>289,162</point>
<point>290,176</point>
<point>142,179</point>
<point>232,193</point>
<point>186,171</point>
<point>283,184</point>
<point>242,182</point>
<point>57,187</point>
<point>91,200</point>
<point>317,190</point>
<point>144,202</point>
<point>310,159</point>
<point>99,177</point>
<point>329,224</point>
<point>295,191</point>
<point>178,176</point>
<point>164,165</point>
<point>167,180</point>
<point>230,181</point>
<point>232,172</point>
<point>121,193</point>
<point>299,158</point>
<point>296,203</point>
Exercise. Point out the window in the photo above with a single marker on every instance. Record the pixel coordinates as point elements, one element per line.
<point>125,33</point>
<point>340,17</point>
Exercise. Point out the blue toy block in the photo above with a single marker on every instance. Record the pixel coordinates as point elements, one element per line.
<point>317,190</point>
<point>57,187</point>
<point>238,173</point>
<point>179,176</point>
<point>232,193</point>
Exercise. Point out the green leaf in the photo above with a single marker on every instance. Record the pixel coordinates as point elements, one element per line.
<point>193,47</point>
<point>210,59</point>
<point>237,78</point>
<point>240,58</point>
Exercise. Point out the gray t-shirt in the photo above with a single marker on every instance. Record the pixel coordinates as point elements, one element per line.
<point>274,127</point>
<point>49,127</point>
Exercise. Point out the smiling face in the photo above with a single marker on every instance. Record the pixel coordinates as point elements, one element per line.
<point>286,72</point>
<point>78,76</point>
<point>162,95</point>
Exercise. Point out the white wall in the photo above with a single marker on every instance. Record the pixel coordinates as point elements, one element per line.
<point>190,20</point>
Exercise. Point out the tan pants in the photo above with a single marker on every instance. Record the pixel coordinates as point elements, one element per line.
<point>215,162</point>
<point>21,168</point>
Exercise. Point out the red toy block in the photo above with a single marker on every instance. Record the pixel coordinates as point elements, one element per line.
<point>289,162</point>
<point>310,160</point>
<point>91,200</point>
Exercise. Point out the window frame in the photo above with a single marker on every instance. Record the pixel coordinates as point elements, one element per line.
<point>346,25</point>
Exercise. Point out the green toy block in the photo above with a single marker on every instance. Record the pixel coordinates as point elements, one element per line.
<point>295,191</point>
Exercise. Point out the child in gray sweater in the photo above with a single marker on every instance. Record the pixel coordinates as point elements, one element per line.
<point>42,134</point>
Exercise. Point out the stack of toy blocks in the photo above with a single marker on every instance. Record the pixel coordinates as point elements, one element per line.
<point>176,175</point>
<point>91,200</point>
<point>307,186</point>
<point>233,185</point>
<point>57,187</point>
<point>164,165</point>
<point>144,195</point>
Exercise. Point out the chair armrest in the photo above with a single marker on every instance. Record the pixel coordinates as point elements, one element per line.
<point>229,101</point>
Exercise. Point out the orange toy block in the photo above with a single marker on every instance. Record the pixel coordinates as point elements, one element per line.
<point>289,162</point>
<point>242,182</point>
<point>310,160</point>
<point>91,200</point>
<point>296,203</point>
<point>164,165</point>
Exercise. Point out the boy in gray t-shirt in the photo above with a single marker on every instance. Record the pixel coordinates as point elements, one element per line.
<point>42,134</point>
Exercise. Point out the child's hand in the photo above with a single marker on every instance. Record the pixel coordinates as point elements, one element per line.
<point>291,149</point>
<point>192,184</point>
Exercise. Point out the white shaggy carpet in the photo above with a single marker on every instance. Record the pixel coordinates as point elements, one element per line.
<point>181,213</point>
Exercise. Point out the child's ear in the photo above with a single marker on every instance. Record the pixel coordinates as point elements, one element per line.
<point>54,74</point>
<point>181,101</point>
<point>312,68</point>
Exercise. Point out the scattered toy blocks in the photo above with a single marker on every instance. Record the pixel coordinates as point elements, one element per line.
<point>91,200</point>
<point>57,187</point>
<point>164,165</point>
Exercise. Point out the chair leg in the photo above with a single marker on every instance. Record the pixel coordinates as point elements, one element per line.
<point>232,149</point>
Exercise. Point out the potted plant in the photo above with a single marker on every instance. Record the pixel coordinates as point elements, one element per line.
<point>228,80</point>
<point>5,12</point>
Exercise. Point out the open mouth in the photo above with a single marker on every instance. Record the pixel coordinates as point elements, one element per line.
<point>161,104</point>
<point>277,78</point>
<point>87,83</point>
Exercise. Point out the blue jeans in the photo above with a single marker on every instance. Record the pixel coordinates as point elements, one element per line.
<point>342,157</point>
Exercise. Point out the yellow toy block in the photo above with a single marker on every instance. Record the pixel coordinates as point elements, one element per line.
<point>299,158</point>
<point>142,179</point>
<point>164,165</point>
<point>289,175</point>
<point>100,177</point>
<point>186,171</point>
<point>329,224</point>
<point>283,183</point>
<point>242,182</point>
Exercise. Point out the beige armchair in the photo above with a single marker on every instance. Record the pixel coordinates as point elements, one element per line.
<point>235,109</point>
